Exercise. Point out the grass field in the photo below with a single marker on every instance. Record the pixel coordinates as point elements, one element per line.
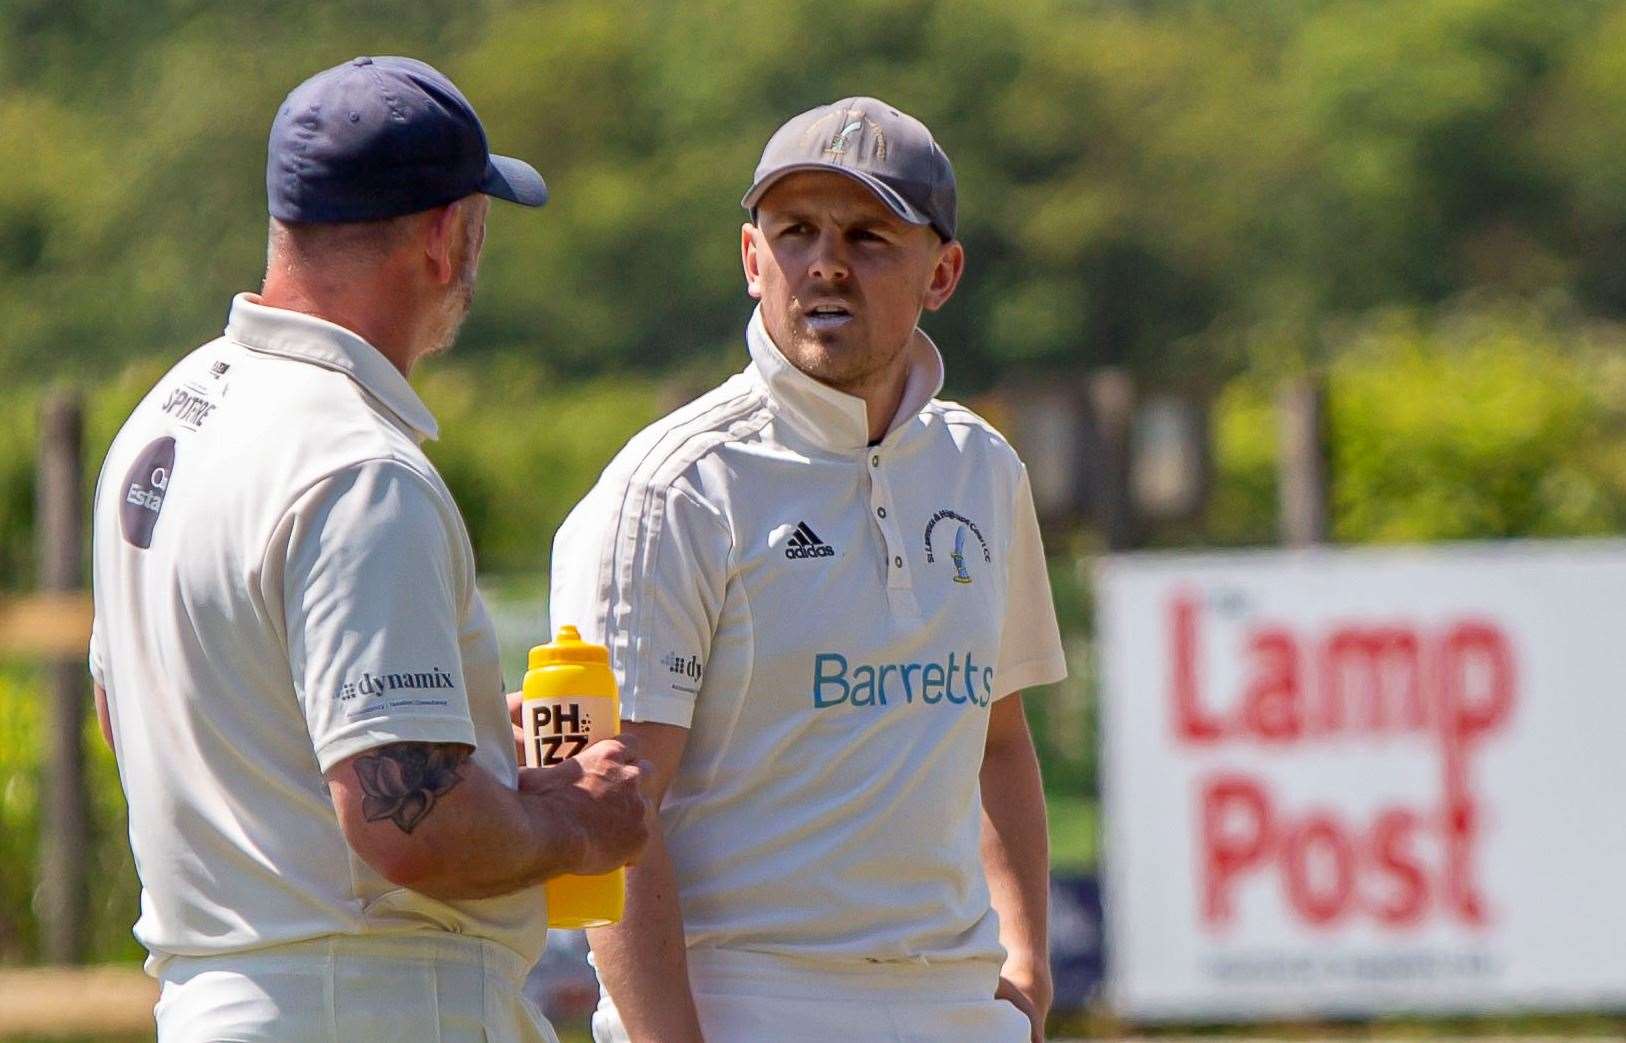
<point>1073,833</point>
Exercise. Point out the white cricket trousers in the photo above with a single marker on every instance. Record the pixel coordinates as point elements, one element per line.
<point>412,988</point>
<point>745,997</point>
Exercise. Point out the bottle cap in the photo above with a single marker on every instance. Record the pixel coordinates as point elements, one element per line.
<point>568,647</point>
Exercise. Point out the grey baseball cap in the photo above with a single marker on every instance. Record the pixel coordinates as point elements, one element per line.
<point>889,152</point>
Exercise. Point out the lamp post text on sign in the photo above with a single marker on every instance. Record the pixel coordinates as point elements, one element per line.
<point>1362,781</point>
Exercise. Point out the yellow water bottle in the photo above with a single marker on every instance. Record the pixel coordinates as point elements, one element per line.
<point>570,702</point>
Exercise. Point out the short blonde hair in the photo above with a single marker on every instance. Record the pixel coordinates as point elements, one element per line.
<point>310,244</point>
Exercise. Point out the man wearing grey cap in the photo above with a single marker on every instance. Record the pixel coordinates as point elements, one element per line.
<point>292,662</point>
<point>824,590</point>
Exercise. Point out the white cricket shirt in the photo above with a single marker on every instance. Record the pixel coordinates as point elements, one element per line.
<point>831,621</point>
<point>282,581</point>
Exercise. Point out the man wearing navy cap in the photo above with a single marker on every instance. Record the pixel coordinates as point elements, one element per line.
<point>292,662</point>
<point>824,591</point>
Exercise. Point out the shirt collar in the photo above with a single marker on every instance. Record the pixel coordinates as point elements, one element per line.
<point>830,418</point>
<point>306,338</point>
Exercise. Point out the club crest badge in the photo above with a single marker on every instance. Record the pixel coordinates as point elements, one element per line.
<point>965,529</point>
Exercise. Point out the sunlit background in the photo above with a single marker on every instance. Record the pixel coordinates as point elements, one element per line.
<point>1240,273</point>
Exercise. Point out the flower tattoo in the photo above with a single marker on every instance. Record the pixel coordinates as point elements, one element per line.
<point>403,780</point>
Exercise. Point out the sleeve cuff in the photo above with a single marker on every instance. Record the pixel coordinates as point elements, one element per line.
<point>1030,674</point>
<point>659,708</point>
<point>93,657</point>
<point>366,735</point>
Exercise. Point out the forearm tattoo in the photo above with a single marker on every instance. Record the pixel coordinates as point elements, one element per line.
<point>403,780</point>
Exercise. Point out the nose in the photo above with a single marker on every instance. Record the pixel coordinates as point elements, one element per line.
<point>829,261</point>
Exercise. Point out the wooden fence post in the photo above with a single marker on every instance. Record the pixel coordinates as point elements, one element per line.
<point>1112,418</point>
<point>65,815</point>
<point>1304,469</point>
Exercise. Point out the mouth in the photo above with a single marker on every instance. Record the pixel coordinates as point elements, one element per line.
<point>828,316</point>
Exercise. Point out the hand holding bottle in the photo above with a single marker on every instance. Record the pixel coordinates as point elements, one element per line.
<point>602,790</point>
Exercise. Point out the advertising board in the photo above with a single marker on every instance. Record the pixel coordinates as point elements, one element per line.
<point>1363,781</point>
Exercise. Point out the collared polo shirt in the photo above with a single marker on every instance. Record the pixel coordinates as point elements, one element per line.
<point>831,620</point>
<point>282,581</point>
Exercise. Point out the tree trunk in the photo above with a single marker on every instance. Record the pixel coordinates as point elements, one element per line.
<point>1303,461</point>
<point>65,816</point>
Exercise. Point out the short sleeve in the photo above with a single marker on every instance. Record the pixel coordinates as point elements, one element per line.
<point>98,653</point>
<point>373,587</point>
<point>1030,650</point>
<point>644,572</point>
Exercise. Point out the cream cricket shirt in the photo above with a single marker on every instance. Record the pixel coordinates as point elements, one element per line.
<point>282,581</point>
<point>831,621</point>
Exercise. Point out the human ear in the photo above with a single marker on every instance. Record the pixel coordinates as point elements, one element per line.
<point>945,275</point>
<point>442,233</point>
<point>750,259</point>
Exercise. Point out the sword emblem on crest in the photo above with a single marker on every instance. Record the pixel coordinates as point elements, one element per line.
<point>958,554</point>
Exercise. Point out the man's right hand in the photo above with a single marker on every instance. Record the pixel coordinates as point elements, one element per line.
<point>426,817</point>
<point>601,791</point>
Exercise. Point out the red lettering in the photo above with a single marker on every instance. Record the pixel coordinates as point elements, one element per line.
<point>1461,830</point>
<point>1369,680</point>
<point>1476,692</point>
<point>1329,869</point>
<point>1476,696</point>
<point>1377,668</point>
<point>1455,687</point>
<point>1270,706</point>
<point>1191,723</point>
<point>1236,825</point>
<point>1325,904</point>
<point>1392,837</point>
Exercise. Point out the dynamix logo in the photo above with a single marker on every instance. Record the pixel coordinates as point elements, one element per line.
<point>683,665</point>
<point>378,684</point>
<point>959,681</point>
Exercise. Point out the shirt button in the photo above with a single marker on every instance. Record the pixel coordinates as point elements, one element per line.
<point>898,562</point>
<point>881,511</point>
<point>875,461</point>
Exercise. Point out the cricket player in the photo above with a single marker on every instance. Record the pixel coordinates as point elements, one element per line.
<point>292,662</point>
<point>824,591</point>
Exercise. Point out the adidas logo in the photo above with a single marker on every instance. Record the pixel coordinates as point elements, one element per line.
<point>805,543</point>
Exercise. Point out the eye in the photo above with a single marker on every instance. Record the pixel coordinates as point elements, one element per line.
<point>795,228</point>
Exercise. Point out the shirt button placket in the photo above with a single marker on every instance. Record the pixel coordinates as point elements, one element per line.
<point>899,590</point>
<point>897,575</point>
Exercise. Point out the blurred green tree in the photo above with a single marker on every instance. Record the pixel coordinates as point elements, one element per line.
<point>1185,187</point>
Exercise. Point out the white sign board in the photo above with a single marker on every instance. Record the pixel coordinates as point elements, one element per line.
<point>1366,780</point>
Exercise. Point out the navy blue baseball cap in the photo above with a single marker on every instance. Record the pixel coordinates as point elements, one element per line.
<point>381,137</point>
